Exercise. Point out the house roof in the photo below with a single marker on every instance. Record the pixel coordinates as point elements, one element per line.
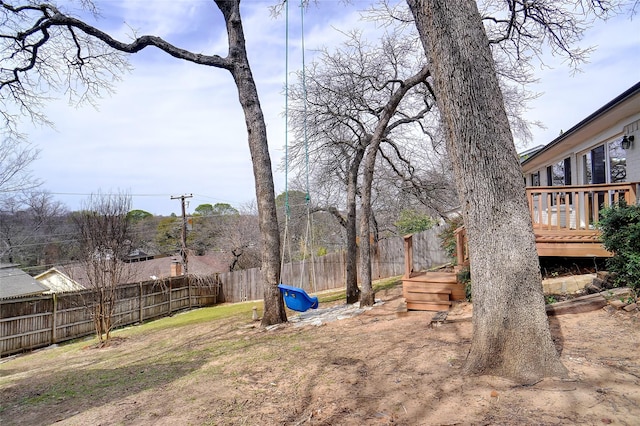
<point>524,155</point>
<point>57,281</point>
<point>153,269</point>
<point>622,106</point>
<point>14,282</point>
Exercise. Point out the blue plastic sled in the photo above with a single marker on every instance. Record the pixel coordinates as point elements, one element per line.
<point>297,299</point>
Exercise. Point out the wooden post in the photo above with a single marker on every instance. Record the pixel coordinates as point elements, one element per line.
<point>460,249</point>
<point>408,255</point>
<point>170,296</point>
<point>189,289</point>
<point>140,317</point>
<point>54,319</point>
<point>632,194</point>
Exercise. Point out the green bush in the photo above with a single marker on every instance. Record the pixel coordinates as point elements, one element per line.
<point>620,225</point>
<point>448,237</point>
<point>464,277</point>
<point>411,222</point>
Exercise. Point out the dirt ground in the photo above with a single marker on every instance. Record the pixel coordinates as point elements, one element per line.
<point>377,368</point>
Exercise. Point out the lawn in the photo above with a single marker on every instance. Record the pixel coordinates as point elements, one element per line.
<point>216,366</point>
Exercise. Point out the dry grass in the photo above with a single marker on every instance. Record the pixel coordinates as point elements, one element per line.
<point>214,366</point>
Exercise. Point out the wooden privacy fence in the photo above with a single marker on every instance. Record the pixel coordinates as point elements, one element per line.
<point>34,322</point>
<point>329,271</point>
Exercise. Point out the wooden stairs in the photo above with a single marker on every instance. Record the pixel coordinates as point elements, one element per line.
<point>431,291</point>
<point>428,291</point>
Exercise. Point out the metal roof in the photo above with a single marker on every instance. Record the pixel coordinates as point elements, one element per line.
<point>15,282</point>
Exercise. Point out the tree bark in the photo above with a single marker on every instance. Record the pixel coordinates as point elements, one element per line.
<point>367,298</point>
<point>274,311</point>
<point>511,336</point>
<point>353,292</point>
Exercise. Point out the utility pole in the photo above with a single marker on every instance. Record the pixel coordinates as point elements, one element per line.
<point>183,251</point>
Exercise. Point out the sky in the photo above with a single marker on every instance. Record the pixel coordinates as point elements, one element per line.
<point>174,128</point>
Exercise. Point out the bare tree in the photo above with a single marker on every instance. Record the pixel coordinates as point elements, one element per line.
<point>354,97</point>
<point>241,241</point>
<point>43,46</point>
<point>15,158</point>
<point>33,230</point>
<point>233,232</point>
<point>105,241</point>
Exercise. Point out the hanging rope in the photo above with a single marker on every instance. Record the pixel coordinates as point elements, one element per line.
<point>286,139</point>
<point>306,147</point>
<point>306,152</point>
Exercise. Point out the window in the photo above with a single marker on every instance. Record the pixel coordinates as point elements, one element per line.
<point>560,173</point>
<point>535,179</point>
<point>617,162</point>
<point>606,163</point>
<point>567,171</point>
<point>598,172</point>
<point>587,177</point>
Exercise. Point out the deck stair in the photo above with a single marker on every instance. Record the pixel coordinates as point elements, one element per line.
<point>428,291</point>
<point>431,291</point>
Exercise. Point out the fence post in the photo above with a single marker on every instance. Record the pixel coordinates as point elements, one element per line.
<point>189,290</point>
<point>170,280</point>
<point>140,318</point>
<point>54,319</point>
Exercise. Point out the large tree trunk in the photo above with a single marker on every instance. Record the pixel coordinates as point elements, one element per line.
<point>353,292</point>
<point>511,336</point>
<point>367,298</point>
<point>274,311</point>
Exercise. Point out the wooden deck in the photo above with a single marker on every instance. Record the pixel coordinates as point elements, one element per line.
<point>564,217</point>
<point>570,243</point>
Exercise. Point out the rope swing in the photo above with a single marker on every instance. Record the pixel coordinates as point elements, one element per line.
<point>295,297</point>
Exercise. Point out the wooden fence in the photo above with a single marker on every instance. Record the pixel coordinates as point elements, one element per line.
<point>328,272</point>
<point>34,322</point>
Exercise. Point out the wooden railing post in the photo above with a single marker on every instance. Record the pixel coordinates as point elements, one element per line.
<point>633,195</point>
<point>408,255</point>
<point>460,237</point>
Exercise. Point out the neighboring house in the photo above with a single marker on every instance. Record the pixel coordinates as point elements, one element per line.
<point>14,282</point>
<point>74,277</point>
<point>58,282</point>
<point>524,155</point>
<point>602,148</point>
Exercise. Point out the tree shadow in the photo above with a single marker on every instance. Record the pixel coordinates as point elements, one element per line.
<point>62,394</point>
<point>556,333</point>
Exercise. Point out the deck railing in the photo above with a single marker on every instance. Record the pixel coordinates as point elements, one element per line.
<point>575,207</point>
<point>565,218</point>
